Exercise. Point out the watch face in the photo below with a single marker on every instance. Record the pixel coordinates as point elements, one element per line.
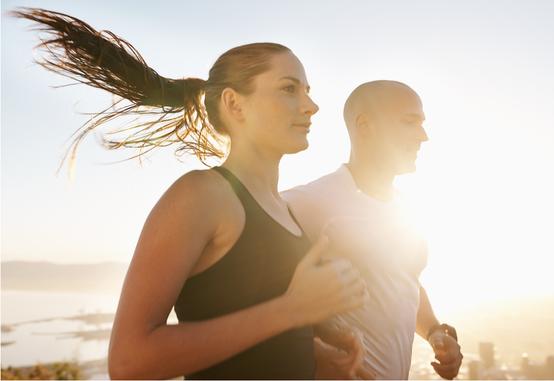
<point>447,329</point>
<point>450,331</point>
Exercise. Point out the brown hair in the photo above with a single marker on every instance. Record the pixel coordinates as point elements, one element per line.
<point>102,59</point>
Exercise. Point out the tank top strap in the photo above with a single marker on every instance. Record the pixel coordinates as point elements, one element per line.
<point>249,203</point>
<point>238,187</point>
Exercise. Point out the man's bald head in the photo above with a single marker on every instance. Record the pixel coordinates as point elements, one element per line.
<point>385,124</point>
<point>375,98</point>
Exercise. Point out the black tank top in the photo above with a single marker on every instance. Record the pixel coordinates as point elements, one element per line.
<point>258,267</point>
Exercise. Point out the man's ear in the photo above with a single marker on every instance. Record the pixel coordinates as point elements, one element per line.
<point>363,124</point>
<point>231,104</point>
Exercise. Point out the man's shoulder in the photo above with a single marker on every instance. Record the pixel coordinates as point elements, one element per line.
<point>312,203</point>
<point>315,190</point>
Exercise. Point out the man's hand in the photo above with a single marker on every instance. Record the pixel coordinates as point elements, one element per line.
<point>341,360</point>
<point>447,352</point>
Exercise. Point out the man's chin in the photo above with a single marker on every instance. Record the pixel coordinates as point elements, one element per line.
<point>405,169</point>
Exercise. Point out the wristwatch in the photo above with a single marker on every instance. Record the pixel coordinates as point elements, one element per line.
<point>445,328</point>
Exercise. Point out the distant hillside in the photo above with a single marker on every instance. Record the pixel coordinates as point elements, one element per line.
<point>45,276</point>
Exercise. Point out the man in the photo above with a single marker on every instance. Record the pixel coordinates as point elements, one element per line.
<point>356,208</point>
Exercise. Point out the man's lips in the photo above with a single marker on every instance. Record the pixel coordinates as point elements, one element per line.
<point>413,149</point>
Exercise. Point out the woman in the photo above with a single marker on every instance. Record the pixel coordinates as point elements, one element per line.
<point>220,246</point>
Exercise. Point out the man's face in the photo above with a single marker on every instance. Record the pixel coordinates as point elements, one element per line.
<point>398,131</point>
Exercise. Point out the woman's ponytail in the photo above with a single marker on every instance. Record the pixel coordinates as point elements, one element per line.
<point>102,59</point>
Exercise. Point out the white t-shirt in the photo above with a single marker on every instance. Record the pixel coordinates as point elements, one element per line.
<point>389,254</point>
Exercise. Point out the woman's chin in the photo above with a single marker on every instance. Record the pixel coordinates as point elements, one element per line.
<point>298,147</point>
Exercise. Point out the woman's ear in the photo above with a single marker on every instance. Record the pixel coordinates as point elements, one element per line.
<point>231,103</point>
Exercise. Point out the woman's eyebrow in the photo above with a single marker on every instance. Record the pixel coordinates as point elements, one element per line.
<point>295,80</point>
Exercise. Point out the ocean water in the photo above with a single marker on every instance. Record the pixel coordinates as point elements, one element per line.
<point>40,330</point>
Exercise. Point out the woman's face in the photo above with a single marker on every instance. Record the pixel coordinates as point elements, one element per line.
<point>277,113</point>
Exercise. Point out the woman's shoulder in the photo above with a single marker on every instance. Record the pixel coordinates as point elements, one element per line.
<point>199,180</point>
<point>203,201</point>
<point>204,189</point>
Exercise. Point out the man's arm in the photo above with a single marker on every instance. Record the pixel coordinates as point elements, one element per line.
<point>425,316</point>
<point>444,343</point>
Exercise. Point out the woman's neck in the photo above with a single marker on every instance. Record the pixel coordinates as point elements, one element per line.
<point>257,169</point>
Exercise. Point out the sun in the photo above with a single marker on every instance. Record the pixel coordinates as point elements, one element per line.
<point>484,242</point>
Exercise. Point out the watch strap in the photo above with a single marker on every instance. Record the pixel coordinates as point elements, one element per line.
<point>445,328</point>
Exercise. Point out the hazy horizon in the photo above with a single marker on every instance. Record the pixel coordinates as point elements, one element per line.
<point>76,326</point>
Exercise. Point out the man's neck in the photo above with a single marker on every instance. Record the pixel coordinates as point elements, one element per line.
<point>371,179</point>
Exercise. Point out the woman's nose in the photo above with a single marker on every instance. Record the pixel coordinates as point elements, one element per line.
<point>310,107</point>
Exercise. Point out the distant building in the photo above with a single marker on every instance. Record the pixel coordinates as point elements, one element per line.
<point>537,372</point>
<point>486,353</point>
<point>474,370</point>
<point>550,366</point>
<point>525,363</point>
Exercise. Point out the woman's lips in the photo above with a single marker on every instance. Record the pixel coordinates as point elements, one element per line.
<point>305,126</point>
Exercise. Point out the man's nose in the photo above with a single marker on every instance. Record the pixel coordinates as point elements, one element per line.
<point>422,135</point>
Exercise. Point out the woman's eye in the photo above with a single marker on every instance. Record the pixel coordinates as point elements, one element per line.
<point>290,88</point>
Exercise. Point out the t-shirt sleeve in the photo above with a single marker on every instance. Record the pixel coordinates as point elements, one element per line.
<point>305,210</point>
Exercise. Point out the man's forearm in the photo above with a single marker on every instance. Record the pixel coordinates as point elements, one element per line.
<point>425,315</point>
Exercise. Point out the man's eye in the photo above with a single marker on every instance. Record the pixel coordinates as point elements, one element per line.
<point>415,123</point>
<point>290,88</point>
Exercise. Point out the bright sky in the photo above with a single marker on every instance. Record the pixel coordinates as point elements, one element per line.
<point>484,185</point>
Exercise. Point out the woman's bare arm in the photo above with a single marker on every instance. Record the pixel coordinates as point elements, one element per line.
<point>180,226</point>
